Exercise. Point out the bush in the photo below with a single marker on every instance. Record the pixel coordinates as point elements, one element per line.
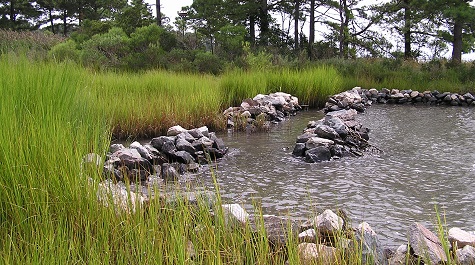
<point>206,62</point>
<point>106,50</point>
<point>65,51</point>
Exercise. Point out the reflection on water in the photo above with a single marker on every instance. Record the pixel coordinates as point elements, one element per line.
<point>428,161</point>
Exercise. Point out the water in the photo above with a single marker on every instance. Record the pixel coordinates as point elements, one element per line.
<point>428,161</point>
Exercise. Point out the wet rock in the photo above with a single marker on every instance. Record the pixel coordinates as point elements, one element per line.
<point>426,245</point>
<point>299,149</point>
<point>169,173</point>
<point>318,142</point>
<point>215,153</point>
<point>202,143</point>
<point>175,130</point>
<point>466,255</point>
<point>168,148</point>
<point>460,238</point>
<point>303,138</point>
<point>338,125</point>
<point>158,142</point>
<point>183,157</point>
<point>318,154</point>
<point>185,136</point>
<point>327,132</point>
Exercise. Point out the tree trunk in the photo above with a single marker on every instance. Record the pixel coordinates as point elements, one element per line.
<point>252,29</point>
<point>311,38</point>
<point>51,20</point>
<point>12,12</point>
<point>65,23</point>
<point>296,24</point>
<point>407,31</point>
<point>345,21</point>
<point>457,42</point>
<point>264,22</point>
<point>159,13</point>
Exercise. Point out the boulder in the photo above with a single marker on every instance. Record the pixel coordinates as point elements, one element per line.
<point>318,154</point>
<point>183,157</point>
<point>299,149</point>
<point>169,173</point>
<point>327,132</point>
<point>460,238</point>
<point>184,145</point>
<point>234,214</point>
<point>123,201</point>
<point>338,125</point>
<point>115,147</point>
<point>303,138</point>
<point>344,115</point>
<point>158,142</point>
<point>175,130</point>
<point>185,136</point>
<point>466,255</point>
<point>202,143</point>
<point>426,245</point>
<point>309,236</point>
<point>318,142</point>
<point>131,158</point>
<point>276,228</point>
<point>311,253</point>
<point>371,249</point>
<point>142,150</point>
<point>401,257</point>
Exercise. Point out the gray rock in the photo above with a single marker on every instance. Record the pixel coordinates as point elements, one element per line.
<point>175,130</point>
<point>466,255</point>
<point>311,253</point>
<point>414,94</point>
<point>116,147</point>
<point>371,249</point>
<point>218,143</point>
<point>195,133</point>
<point>426,245</point>
<point>142,150</point>
<point>276,228</point>
<point>158,142</point>
<point>338,125</point>
<point>215,153</point>
<point>327,132</point>
<point>184,145</point>
<point>469,96</point>
<point>123,201</point>
<point>318,154</point>
<point>460,238</point>
<point>299,149</point>
<point>168,148</point>
<point>344,115</point>
<point>328,223</point>
<point>183,157</point>
<point>131,158</point>
<point>303,138</point>
<point>309,236</point>
<point>202,143</point>
<point>169,173</point>
<point>401,256</point>
<point>235,215</point>
<point>204,130</point>
<point>185,136</point>
<point>317,142</point>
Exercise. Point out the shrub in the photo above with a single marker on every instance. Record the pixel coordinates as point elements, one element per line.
<point>65,51</point>
<point>106,50</point>
<point>206,62</point>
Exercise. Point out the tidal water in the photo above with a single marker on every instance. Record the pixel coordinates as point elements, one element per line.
<point>428,163</point>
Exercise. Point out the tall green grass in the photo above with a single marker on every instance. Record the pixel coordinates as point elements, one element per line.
<point>312,86</point>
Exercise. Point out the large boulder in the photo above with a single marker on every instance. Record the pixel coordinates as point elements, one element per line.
<point>318,154</point>
<point>175,130</point>
<point>460,238</point>
<point>142,150</point>
<point>426,245</point>
<point>131,158</point>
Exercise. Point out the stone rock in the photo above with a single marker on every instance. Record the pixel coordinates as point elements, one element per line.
<point>248,103</point>
<point>218,143</point>
<point>183,157</point>
<point>185,136</point>
<point>195,133</point>
<point>344,115</point>
<point>142,150</point>
<point>158,142</point>
<point>191,198</point>
<point>116,147</point>
<point>184,145</point>
<point>401,256</point>
<point>466,255</point>
<point>131,158</point>
<point>122,200</point>
<point>299,149</point>
<point>426,245</point>
<point>338,125</point>
<point>371,250</point>
<point>328,222</point>
<point>234,214</point>
<point>318,154</point>
<point>327,132</point>
<point>309,236</point>
<point>460,238</point>
<point>303,138</point>
<point>311,253</point>
<point>175,130</point>
<point>276,228</point>
<point>204,130</point>
<point>157,156</point>
<point>169,173</point>
<point>318,142</point>
<point>137,175</point>
<point>215,153</point>
<point>414,94</point>
<point>202,143</point>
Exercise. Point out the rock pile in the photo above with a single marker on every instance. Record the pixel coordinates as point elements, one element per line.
<point>335,136</point>
<point>358,98</point>
<point>165,156</point>
<point>262,110</point>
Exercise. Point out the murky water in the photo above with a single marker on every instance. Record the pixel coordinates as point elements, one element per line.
<point>428,161</point>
